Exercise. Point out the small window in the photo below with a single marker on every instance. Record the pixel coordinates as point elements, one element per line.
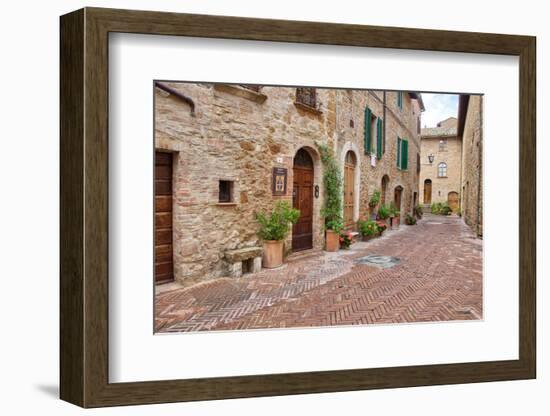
<point>418,163</point>
<point>400,99</point>
<point>443,145</point>
<point>226,192</point>
<point>307,96</point>
<point>442,170</point>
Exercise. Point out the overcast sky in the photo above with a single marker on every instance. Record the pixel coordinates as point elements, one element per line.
<point>438,108</point>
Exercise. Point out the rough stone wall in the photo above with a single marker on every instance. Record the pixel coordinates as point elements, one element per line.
<point>398,122</point>
<point>472,169</point>
<point>452,156</point>
<point>240,136</point>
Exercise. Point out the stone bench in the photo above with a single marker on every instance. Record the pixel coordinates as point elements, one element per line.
<point>244,260</point>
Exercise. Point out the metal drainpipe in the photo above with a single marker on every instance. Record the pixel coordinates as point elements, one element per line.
<point>479,184</point>
<point>384,126</point>
<point>178,94</point>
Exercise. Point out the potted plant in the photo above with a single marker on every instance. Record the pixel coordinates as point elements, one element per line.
<point>369,229</point>
<point>383,214</point>
<point>382,225</point>
<point>395,216</point>
<point>418,211</point>
<point>332,207</point>
<point>273,230</point>
<point>345,239</point>
<point>410,220</point>
<point>373,201</point>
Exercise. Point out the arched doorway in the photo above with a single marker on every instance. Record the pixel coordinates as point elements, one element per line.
<point>452,200</point>
<point>428,191</point>
<point>397,193</point>
<point>384,189</point>
<point>350,163</point>
<point>302,199</point>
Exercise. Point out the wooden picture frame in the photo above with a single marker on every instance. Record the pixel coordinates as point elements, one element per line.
<point>84,207</point>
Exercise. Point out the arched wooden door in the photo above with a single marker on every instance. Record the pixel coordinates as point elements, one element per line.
<point>452,200</point>
<point>428,191</point>
<point>349,188</point>
<point>302,199</point>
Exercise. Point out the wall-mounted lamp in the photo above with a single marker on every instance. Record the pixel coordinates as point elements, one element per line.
<point>431,158</point>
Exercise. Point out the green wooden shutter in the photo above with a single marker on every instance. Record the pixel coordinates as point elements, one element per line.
<point>398,152</point>
<point>379,138</point>
<point>405,154</point>
<point>368,132</point>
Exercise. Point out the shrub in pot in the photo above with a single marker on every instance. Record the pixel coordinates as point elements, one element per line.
<point>369,229</point>
<point>383,214</point>
<point>418,211</point>
<point>273,230</point>
<point>410,220</point>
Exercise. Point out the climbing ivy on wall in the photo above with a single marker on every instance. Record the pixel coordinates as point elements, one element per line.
<point>332,179</point>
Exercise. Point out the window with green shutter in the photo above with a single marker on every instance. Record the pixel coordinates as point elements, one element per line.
<point>400,99</point>
<point>402,153</point>
<point>405,154</point>
<point>368,131</point>
<point>379,134</point>
<point>398,152</point>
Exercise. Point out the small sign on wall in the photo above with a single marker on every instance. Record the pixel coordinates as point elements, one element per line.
<point>279,181</point>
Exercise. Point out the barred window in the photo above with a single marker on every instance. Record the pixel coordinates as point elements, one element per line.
<point>307,96</point>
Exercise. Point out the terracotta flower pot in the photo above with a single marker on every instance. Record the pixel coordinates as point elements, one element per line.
<point>396,222</point>
<point>368,237</point>
<point>332,241</point>
<point>273,254</point>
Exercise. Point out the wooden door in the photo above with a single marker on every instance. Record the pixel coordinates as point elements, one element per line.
<point>397,197</point>
<point>164,265</point>
<point>452,200</point>
<point>427,191</point>
<point>302,199</point>
<point>349,189</point>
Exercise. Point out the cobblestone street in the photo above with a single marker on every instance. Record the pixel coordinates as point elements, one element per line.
<point>428,272</point>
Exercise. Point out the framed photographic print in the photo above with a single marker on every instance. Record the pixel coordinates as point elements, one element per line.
<point>255,207</point>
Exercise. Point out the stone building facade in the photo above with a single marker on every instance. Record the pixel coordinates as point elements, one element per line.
<point>470,130</point>
<point>219,147</point>
<point>441,164</point>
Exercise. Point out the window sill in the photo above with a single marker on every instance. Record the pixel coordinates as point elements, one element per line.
<point>242,92</point>
<point>308,108</point>
<point>225,204</point>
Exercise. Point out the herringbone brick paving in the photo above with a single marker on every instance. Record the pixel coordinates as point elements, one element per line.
<point>438,278</point>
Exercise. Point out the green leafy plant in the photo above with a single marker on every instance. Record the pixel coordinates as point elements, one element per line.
<point>277,225</point>
<point>383,212</point>
<point>346,239</point>
<point>418,211</point>
<point>332,179</point>
<point>439,208</point>
<point>368,228</point>
<point>393,210</point>
<point>410,220</point>
<point>381,226</point>
<point>374,199</point>
<point>445,209</point>
<point>436,208</point>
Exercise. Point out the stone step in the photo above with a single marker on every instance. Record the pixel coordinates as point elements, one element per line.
<point>300,255</point>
